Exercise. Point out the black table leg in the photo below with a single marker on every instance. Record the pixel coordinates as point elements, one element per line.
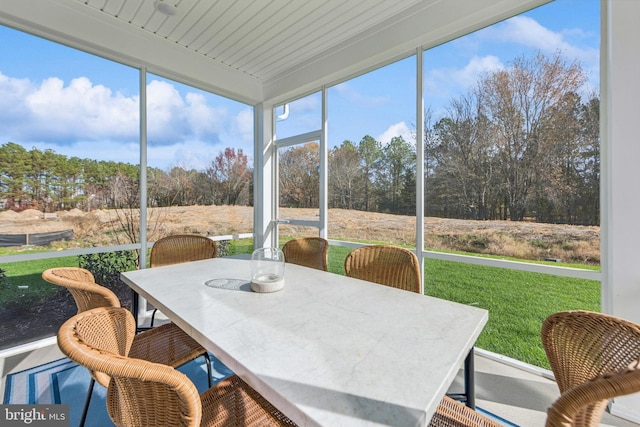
<point>135,303</point>
<point>469,395</point>
<point>469,380</point>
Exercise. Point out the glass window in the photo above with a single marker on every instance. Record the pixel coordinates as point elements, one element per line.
<point>200,161</point>
<point>70,173</point>
<point>511,138</point>
<point>299,117</point>
<point>512,168</point>
<point>299,190</point>
<point>69,153</point>
<point>372,156</point>
<point>69,138</point>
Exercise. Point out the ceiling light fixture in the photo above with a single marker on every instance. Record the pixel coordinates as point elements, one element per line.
<point>165,8</point>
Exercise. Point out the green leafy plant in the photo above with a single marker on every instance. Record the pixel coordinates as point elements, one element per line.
<point>106,268</point>
<point>223,247</point>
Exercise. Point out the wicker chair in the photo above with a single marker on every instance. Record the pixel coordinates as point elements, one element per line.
<point>451,413</point>
<point>307,251</point>
<point>594,358</point>
<point>82,285</point>
<point>388,265</point>
<point>142,393</point>
<point>180,248</point>
<point>166,344</point>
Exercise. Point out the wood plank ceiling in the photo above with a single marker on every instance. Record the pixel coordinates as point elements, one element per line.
<point>259,38</point>
<point>256,51</point>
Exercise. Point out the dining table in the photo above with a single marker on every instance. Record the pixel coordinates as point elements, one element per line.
<point>326,349</point>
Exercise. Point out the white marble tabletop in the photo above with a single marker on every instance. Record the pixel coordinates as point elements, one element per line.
<point>327,350</point>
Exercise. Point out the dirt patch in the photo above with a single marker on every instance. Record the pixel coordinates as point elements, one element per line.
<point>37,320</point>
<point>31,213</point>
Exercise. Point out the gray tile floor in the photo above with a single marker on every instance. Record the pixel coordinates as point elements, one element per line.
<point>510,392</point>
<point>517,394</point>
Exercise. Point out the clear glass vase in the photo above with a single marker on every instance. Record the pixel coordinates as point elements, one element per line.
<point>267,270</point>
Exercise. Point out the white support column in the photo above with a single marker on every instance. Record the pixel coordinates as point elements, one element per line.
<point>420,162</point>
<point>620,177</point>
<point>141,304</point>
<point>324,169</point>
<point>264,179</point>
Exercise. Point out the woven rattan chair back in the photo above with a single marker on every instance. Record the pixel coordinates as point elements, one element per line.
<point>140,393</point>
<point>80,282</point>
<point>594,357</point>
<point>307,251</point>
<point>451,413</point>
<point>88,295</point>
<point>167,344</point>
<point>99,332</point>
<point>182,248</point>
<point>388,265</point>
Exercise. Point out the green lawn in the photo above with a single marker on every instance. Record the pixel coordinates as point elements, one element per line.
<point>517,301</point>
<point>28,273</point>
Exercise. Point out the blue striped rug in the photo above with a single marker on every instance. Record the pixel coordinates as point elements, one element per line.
<point>63,381</point>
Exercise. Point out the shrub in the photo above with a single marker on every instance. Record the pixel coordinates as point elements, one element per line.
<point>223,247</point>
<point>106,268</point>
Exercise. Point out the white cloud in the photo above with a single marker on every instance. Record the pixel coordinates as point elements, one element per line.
<point>528,32</point>
<point>203,119</point>
<point>502,43</point>
<point>446,83</point>
<point>12,93</point>
<point>88,120</point>
<point>172,118</point>
<point>243,126</point>
<point>397,129</point>
<point>525,31</point>
<point>79,110</point>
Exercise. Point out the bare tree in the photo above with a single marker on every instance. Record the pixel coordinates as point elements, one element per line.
<point>125,192</point>
<point>299,169</point>
<point>465,158</point>
<point>344,175</point>
<point>370,154</point>
<point>231,174</point>
<point>519,102</point>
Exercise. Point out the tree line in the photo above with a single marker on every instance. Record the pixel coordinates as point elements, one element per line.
<point>522,144</point>
<point>51,182</point>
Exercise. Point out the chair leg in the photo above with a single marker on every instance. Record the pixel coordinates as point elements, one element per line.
<point>87,401</point>
<point>153,316</point>
<point>209,373</point>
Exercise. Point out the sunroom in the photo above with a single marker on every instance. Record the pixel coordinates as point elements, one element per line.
<point>278,58</point>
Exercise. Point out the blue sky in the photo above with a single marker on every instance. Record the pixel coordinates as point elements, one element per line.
<point>54,97</point>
